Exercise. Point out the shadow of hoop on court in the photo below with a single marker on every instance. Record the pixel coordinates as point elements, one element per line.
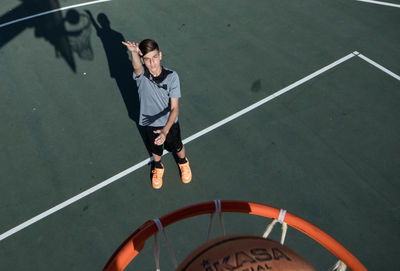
<point>78,30</point>
<point>68,35</point>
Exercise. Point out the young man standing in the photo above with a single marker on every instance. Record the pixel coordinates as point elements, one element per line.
<point>159,92</point>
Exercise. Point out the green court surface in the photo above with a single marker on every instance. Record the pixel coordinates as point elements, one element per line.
<point>327,150</point>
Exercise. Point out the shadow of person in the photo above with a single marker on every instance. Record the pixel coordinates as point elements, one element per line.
<point>120,67</point>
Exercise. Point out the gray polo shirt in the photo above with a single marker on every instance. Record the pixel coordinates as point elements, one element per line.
<point>155,94</point>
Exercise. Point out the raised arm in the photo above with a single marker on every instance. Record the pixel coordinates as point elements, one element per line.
<point>136,54</point>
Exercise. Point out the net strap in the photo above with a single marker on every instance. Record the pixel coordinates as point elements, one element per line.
<point>280,219</point>
<point>157,246</point>
<point>217,204</point>
<point>339,266</point>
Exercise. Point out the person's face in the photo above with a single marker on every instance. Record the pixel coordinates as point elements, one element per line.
<point>152,60</point>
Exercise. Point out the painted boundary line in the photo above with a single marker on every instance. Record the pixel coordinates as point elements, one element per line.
<point>370,61</point>
<point>73,199</point>
<point>52,11</point>
<point>185,141</point>
<point>380,3</point>
<point>189,139</point>
<point>269,98</point>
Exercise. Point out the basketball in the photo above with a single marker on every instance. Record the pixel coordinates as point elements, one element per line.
<point>243,253</point>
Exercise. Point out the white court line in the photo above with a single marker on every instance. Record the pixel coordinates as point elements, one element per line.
<point>379,66</point>
<point>185,141</point>
<point>73,199</point>
<point>269,98</point>
<point>52,11</point>
<point>380,3</point>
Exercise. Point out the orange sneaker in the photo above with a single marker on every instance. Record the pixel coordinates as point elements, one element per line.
<point>156,179</point>
<point>186,173</point>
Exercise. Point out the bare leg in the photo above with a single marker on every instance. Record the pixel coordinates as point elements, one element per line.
<point>156,157</point>
<point>181,154</point>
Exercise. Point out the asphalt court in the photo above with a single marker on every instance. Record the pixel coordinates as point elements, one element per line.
<point>326,150</point>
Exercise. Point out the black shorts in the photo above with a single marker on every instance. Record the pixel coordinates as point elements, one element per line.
<point>173,142</point>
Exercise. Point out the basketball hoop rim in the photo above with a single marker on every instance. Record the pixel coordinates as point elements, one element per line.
<point>129,249</point>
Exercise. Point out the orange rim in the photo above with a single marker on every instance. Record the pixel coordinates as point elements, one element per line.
<point>128,250</point>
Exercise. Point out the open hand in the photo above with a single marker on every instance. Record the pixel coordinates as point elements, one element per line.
<point>160,139</point>
<point>133,47</point>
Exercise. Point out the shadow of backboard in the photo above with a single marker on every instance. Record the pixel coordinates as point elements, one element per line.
<point>50,27</point>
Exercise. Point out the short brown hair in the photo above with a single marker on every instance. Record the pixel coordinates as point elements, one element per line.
<point>148,45</point>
